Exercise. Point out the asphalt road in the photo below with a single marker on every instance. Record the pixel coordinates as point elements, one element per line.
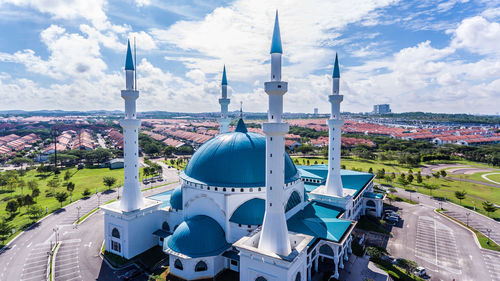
<point>26,257</point>
<point>447,250</point>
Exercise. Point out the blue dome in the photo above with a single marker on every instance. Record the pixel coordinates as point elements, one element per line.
<point>250,212</point>
<point>176,198</point>
<point>199,236</point>
<point>236,159</point>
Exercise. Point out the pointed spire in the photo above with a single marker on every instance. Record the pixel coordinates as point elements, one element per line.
<point>241,127</point>
<point>241,110</point>
<point>129,63</point>
<point>276,43</point>
<point>336,70</point>
<point>224,79</point>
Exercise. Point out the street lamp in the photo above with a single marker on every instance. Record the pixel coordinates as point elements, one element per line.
<point>467,214</point>
<point>99,199</point>
<point>418,199</point>
<point>441,205</point>
<point>474,205</point>
<point>488,230</point>
<point>56,233</point>
<point>78,216</point>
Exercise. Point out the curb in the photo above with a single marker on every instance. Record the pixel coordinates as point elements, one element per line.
<point>53,259</point>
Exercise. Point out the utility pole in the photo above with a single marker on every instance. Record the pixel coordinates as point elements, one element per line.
<point>55,134</point>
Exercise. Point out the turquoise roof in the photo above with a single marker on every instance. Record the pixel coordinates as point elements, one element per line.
<point>250,213</point>
<point>308,175</point>
<point>199,236</point>
<point>164,197</point>
<point>234,159</point>
<point>336,70</point>
<point>276,43</point>
<point>374,195</point>
<point>176,198</point>
<point>224,78</point>
<point>319,220</point>
<point>350,179</point>
<point>129,63</point>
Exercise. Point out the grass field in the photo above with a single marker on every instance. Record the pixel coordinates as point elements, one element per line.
<point>494,177</point>
<point>83,179</point>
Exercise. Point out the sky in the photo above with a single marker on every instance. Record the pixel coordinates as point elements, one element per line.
<point>430,56</point>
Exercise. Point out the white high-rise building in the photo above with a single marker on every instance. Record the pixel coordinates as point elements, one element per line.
<point>334,181</point>
<point>274,236</point>
<point>224,102</point>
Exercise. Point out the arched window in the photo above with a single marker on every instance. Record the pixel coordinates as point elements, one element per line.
<point>293,201</point>
<point>178,264</point>
<point>298,277</point>
<point>115,233</point>
<point>260,278</point>
<point>165,226</point>
<point>370,203</point>
<point>200,266</point>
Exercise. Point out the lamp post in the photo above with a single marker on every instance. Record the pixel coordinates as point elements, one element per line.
<point>467,214</point>
<point>441,205</point>
<point>56,234</point>
<point>99,200</point>
<point>418,199</point>
<point>488,230</point>
<point>78,216</point>
<point>474,203</point>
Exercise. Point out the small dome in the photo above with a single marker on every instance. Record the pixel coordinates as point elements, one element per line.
<point>199,236</point>
<point>236,159</point>
<point>176,198</point>
<point>250,213</point>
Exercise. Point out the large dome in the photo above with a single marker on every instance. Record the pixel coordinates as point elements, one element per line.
<point>234,159</point>
<point>199,236</point>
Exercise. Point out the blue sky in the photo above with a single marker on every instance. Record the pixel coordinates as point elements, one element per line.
<point>433,56</point>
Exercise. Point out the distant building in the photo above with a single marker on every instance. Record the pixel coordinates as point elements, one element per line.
<point>315,111</point>
<point>381,109</point>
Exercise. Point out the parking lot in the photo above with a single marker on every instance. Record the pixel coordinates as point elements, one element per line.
<point>35,265</point>
<point>436,244</point>
<point>66,261</point>
<point>461,216</point>
<point>492,261</point>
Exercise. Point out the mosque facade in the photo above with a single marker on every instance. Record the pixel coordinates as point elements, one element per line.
<point>242,204</point>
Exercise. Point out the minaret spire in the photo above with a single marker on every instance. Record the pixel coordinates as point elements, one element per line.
<point>224,102</point>
<point>274,234</point>
<point>334,181</point>
<point>131,196</point>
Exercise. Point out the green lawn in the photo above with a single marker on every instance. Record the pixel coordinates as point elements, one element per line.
<point>85,178</point>
<point>494,177</point>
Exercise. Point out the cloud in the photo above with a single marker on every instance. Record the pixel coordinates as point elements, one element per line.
<point>477,34</point>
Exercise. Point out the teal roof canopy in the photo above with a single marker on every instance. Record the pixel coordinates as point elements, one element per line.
<point>319,220</point>
<point>336,69</point>
<point>176,198</point>
<point>374,195</point>
<point>276,43</point>
<point>199,236</point>
<point>129,63</point>
<point>224,78</point>
<point>235,159</point>
<point>250,213</point>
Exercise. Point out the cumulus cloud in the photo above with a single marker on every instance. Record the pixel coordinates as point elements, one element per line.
<point>477,34</point>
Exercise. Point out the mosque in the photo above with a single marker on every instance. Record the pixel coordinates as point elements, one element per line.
<point>242,204</point>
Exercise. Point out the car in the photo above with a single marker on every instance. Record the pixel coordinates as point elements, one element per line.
<point>391,213</point>
<point>387,258</point>
<point>392,219</point>
<point>420,271</point>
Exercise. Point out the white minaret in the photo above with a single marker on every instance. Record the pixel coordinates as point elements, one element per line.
<point>334,181</point>
<point>224,102</point>
<point>274,234</point>
<point>131,196</point>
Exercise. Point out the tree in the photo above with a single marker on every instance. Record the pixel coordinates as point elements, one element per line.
<point>70,186</point>
<point>402,176</point>
<point>436,175</point>
<point>35,192</point>
<point>410,178</point>
<point>67,175</point>
<point>12,183</point>
<point>21,184</point>
<point>86,192</point>
<point>427,176</point>
<point>5,229</point>
<point>33,184</point>
<point>402,181</point>
<point>370,171</point>
<point>12,206</point>
<point>380,174</point>
<point>388,179</point>
<point>54,183</point>
<point>489,207</point>
<point>431,187</point>
<point>109,181</point>
<point>28,200</point>
<point>34,212</point>
<point>393,176</point>
<point>443,173</point>
<point>342,167</point>
<point>419,177</point>
<point>460,195</point>
<point>61,197</point>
